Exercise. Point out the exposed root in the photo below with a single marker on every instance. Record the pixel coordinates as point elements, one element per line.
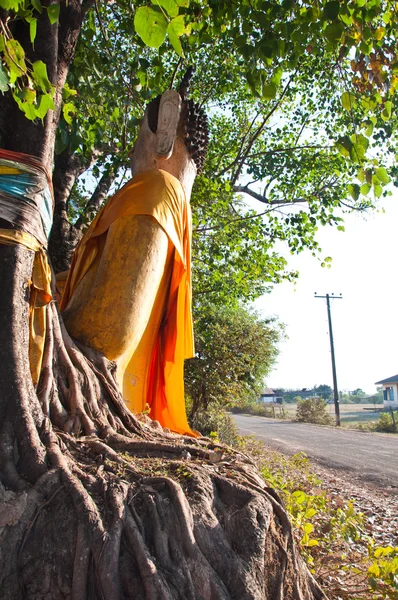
<point>97,504</point>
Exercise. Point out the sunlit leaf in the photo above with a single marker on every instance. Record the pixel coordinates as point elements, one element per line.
<point>3,80</point>
<point>170,6</point>
<point>382,175</point>
<point>151,26</point>
<point>348,101</point>
<point>46,103</point>
<point>40,76</point>
<point>68,110</point>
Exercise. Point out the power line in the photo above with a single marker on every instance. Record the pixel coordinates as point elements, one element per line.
<point>335,389</point>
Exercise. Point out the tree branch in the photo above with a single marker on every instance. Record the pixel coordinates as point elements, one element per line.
<point>259,131</point>
<point>96,199</point>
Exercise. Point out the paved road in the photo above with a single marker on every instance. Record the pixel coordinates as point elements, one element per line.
<point>369,456</point>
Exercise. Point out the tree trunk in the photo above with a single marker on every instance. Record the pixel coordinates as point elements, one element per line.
<point>65,235</point>
<point>96,503</point>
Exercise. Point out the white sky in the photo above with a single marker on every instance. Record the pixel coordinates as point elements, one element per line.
<point>365,323</point>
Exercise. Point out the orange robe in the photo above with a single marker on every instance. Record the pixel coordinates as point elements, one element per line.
<point>160,195</point>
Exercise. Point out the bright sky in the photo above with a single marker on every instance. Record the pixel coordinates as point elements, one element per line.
<point>365,323</point>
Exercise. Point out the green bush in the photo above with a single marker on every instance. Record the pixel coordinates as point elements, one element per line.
<point>313,410</point>
<point>386,422</point>
<point>216,423</point>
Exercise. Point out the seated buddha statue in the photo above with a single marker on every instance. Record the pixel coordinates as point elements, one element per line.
<point>128,292</point>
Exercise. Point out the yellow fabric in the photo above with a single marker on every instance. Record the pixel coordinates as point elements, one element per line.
<point>40,295</point>
<point>9,170</point>
<point>160,195</point>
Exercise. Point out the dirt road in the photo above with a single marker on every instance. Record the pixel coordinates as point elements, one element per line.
<point>370,457</point>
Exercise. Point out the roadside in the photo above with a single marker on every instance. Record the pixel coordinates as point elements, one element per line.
<point>372,457</point>
<point>347,529</point>
<point>379,505</point>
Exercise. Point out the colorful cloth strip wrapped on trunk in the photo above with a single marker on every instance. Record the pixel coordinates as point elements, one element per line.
<point>26,204</point>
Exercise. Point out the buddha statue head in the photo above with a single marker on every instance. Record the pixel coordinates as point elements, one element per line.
<point>173,136</point>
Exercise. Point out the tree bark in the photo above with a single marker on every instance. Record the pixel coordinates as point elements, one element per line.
<point>65,235</point>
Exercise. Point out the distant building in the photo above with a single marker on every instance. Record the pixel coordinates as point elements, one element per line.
<point>390,391</point>
<point>268,396</point>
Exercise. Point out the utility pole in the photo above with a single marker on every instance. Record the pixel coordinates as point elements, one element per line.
<point>335,389</point>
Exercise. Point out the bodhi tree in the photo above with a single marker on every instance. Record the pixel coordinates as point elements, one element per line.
<point>309,91</point>
<point>96,502</point>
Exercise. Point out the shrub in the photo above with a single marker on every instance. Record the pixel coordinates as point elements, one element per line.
<point>386,422</point>
<point>215,422</point>
<point>313,410</point>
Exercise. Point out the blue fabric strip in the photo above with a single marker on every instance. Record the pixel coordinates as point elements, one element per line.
<point>29,186</point>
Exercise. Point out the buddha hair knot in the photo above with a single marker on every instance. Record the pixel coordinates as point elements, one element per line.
<point>194,126</point>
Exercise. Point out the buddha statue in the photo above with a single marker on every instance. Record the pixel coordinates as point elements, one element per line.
<point>128,292</point>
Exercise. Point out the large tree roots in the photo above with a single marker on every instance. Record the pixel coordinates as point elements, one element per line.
<point>96,503</point>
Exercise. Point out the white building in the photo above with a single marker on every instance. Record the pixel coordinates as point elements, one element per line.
<point>390,391</point>
<point>268,396</point>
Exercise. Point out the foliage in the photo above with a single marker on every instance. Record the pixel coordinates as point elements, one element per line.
<point>312,410</point>
<point>215,423</point>
<point>260,410</point>
<point>331,532</point>
<point>301,98</point>
<point>387,422</point>
<point>235,349</point>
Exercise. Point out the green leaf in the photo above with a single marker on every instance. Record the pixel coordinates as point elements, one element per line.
<point>344,146</point>
<point>299,496</point>
<point>269,91</point>
<point>53,12</point>
<point>40,76</point>
<point>333,32</point>
<point>10,4</point>
<point>382,175</point>
<point>331,10</point>
<point>3,80</point>
<point>374,569</point>
<point>46,103</point>
<point>37,6</point>
<point>175,29</point>
<point>32,29</point>
<point>359,147</point>
<point>151,26</point>
<point>28,108</point>
<point>14,56</point>
<point>386,114</point>
<point>369,126</point>
<point>308,528</point>
<point>68,91</point>
<point>348,101</point>
<point>68,110</point>
<point>174,39</point>
<point>377,190</point>
<point>353,190</point>
<point>178,25</point>
<point>170,6</point>
<point>365,189</point>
